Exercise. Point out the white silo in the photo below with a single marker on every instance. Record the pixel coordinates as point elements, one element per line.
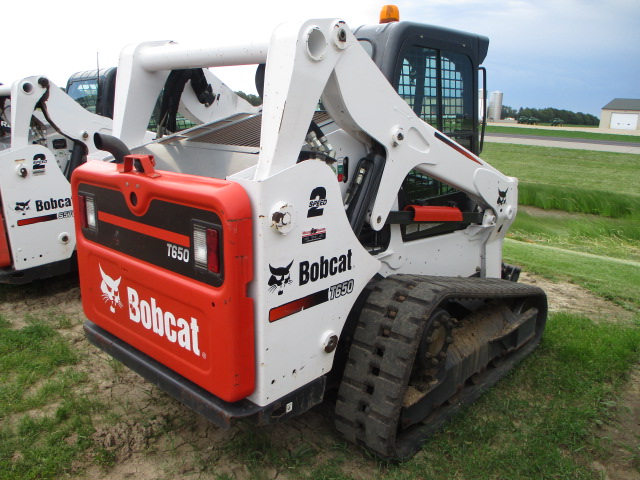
<point>482,108</point>
<point>495,106</point>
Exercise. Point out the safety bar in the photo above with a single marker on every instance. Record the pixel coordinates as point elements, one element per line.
<point>176,56</point>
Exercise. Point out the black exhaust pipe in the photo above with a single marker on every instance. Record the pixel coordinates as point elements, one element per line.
<point>113,145</point>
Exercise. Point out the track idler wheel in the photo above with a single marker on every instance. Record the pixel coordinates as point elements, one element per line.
<point>432,350</point>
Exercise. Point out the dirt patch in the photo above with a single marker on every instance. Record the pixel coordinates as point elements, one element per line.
<point>621,437</point>
<point>541,212</point>
<point>567,297</point>
<point>128,436</point>
<point>60,296</point>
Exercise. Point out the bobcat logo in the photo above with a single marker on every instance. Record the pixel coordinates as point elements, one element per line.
<point>279,278</point>
<point>22,206</point>
<point>502,196</point>
<point>110,293</point>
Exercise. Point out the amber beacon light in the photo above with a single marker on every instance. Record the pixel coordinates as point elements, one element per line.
<point>389,13</point>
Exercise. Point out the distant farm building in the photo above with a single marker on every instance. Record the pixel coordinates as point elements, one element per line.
<point>621,114</point>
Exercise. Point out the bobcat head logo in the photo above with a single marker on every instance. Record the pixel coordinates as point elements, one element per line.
<point>110,293</point>
<point>22,206</point>
<point>502,196</point>
<point>279,278</point>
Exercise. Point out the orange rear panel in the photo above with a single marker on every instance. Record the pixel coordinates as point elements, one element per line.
<point>139,280</point>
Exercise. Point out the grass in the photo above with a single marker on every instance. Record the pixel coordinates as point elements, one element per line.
<point>44,426</point>
<point>572,180</point>
<point>536,423</point>
<point>607,172</point>
<point>610,137</point>
<point>634,450</point>
<point>616,282</point>
<point>28,359</point>
<point>579,200</point>
<point>611,237</point>
<point>258,451</point>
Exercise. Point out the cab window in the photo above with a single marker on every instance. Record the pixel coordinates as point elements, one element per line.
<point>85,92</point>
<point>438,85</point>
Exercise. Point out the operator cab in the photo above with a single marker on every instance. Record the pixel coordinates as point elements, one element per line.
<point>95,91</point>
<point>435,70</point>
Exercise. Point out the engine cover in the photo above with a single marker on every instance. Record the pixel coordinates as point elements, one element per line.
<point>142,276</point>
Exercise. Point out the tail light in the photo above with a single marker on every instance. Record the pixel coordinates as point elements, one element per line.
<point>206,248</point>
<point>87,212</point>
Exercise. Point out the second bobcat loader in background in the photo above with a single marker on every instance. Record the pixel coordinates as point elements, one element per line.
<point>49,135</point>
<point>251,265</point>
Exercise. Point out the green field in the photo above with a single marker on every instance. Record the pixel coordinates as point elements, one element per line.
<point>578,181</point>
<point>610,237</point>
<point>595,135</point>
<point>589,202</point>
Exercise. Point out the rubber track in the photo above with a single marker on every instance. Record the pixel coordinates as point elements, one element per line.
<point>381,357</point>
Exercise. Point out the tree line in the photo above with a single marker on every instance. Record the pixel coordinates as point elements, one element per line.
<point>254,100</point>
<point>547,115</point>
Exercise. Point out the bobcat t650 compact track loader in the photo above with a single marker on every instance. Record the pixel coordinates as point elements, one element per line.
<point>250,265</point>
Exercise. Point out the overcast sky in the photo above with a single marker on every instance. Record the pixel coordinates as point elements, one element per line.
<point>568,54</point>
